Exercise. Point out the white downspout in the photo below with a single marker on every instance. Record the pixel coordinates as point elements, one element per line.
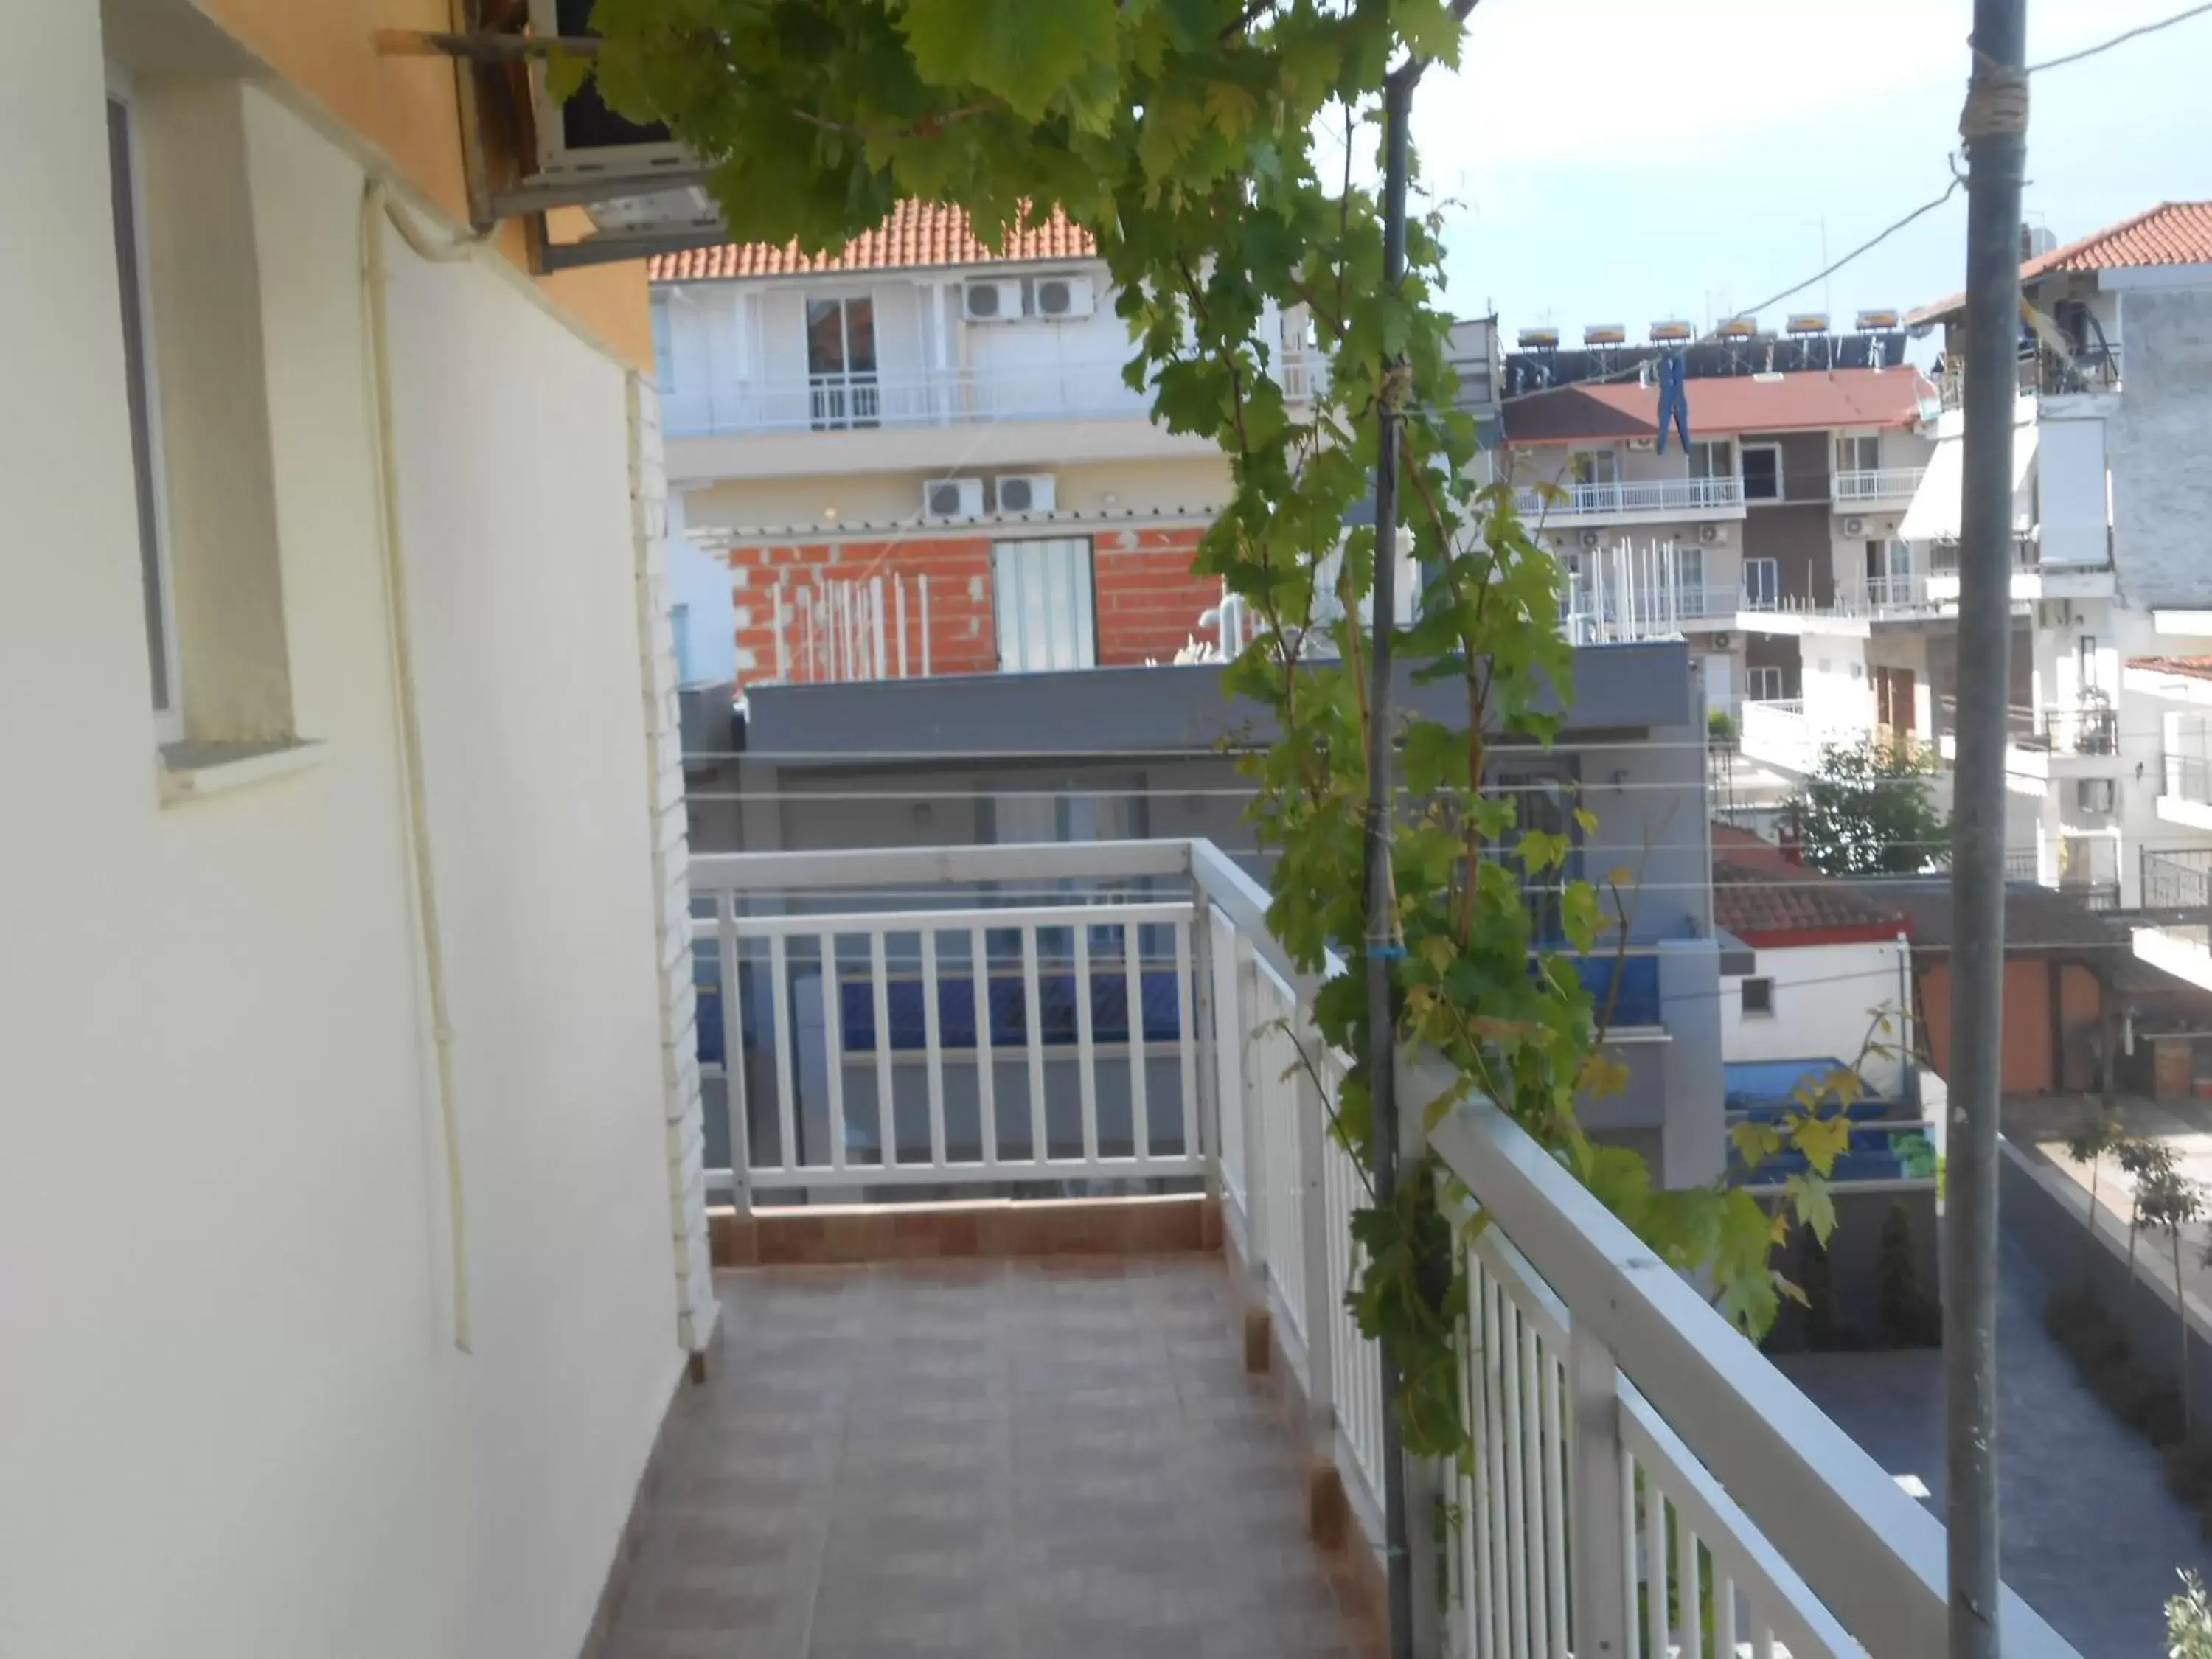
<point>376,208</point>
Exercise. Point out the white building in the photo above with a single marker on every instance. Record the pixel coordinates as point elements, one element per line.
<point>347,1268</point>
<point>921,456</point>
<point>2109,499</point>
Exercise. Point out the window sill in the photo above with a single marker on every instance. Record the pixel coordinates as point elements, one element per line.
<point>191,770</point>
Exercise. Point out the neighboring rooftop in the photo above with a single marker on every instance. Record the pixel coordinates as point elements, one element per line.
<point>1810,400</point>
<point>2171,233</point>
<point>2197,668</point>
<point>918,236</point>
<point>1767,900</point>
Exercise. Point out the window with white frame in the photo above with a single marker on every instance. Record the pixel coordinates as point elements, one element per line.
<point>1713,458</point>
<point>1594,466</point>
<point>1858,452</point>
<point>153,567</point>
<point>1762,682</point>
<point>1762,473</point>
<point>841,361</point>
<point>1762,584</point>
<point>1042,604</point>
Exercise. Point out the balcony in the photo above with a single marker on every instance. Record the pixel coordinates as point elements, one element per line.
<point>1633,500</point>
<point>2177,879</point>
<point>2091,370</point>
<point>1611,615</point>
<point>978,1447</point>
<point>2032,577</point>
<point>1889,486</point>
<point>2184,795</point>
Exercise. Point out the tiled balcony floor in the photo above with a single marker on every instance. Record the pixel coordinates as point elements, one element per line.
<point>995,1459</point>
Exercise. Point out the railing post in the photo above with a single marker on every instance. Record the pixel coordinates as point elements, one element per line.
<point>1256,1242</point>
<point>1599,1523</point>
<point>1324,1295</point>
<point>1206,1108</point>
<point>733,1057</point>
<point>1424,1479</point>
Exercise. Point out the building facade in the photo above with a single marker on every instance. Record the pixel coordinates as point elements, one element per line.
<point>350,1156</point>
<point>2115,385</point>
<point>1782,506</point>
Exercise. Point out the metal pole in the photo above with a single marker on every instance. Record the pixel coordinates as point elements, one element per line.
<point>1381,907</point>
<point>1994,127</point>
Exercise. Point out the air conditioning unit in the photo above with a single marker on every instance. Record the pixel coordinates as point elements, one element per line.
<point>1024,492</point>
<point>1590,539</point>
<point>2093,795</point>
<point>1712,532</point>
<point>1855,526</point>
<point>1059,297</point>
<point>1639,446</point>
<point>997,300</point>
<point>952,498</point>
<point>1723,641</point>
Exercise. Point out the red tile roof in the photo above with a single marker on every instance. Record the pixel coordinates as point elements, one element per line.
<point>1765,900</point>
<point>2171,233</point>
<point>1807,400</point>
<point>2197,668</point>
<point>919,235</point>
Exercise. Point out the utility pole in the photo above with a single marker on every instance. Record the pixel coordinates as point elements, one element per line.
<point>1381,902</point>
<point>1994,126</point>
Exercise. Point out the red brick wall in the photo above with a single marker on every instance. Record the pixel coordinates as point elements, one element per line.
<point>1146,601</point>
<point>960,638</point>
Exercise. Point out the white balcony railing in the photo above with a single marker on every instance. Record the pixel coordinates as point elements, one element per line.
<point>1643,495</point>
<point>1888,483</point>
<point>863,402</point>
<point>1642,1477</point>
<point>1612,615</point>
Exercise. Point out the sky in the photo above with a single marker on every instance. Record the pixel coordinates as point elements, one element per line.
<point>1621,161</point>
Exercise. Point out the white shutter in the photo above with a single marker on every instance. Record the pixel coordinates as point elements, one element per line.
<point>1042,604</point>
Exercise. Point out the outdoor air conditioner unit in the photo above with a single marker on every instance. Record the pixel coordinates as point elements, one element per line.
<point>1061,298</point>
<point>992,301</point>
<point>1855,526</point>
<point>2093,795</point>
<point>1639,446</point>
<point>1024,492</point>
<point>1710,533</point>
<point>1590,539</point>
<point>952,498</point>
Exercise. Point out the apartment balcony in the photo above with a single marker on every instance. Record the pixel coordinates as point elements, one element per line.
<point>2032,577</point>
<point>1005,1455</point>
<point>1611,616</point>
<point>1774,732</point>
<point>1632,501</point>
<point>971,419</point>
<point>1868,490</point>
<point>2044,745</point>
<point>2177,880</point>
<point>2093,371</point>
<point>2184,796</point>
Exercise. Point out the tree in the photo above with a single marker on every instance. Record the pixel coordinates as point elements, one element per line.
<point>2189,1620</point>
<point>2169,1202</point>
<point>1866,810</point>
<point>2099,1132</point>
<point>2144,1162</point>
<point>1186,136</point>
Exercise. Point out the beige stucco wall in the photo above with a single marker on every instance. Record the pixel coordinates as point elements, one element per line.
<point>231,1415</point>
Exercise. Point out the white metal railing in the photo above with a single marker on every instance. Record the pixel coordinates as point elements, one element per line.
<point>1886,484</point>
<point>1775,729</point>
<point>831,631</point>
<point>1642,1478</point>
<point>850,402</point>
<point>1642,495</point>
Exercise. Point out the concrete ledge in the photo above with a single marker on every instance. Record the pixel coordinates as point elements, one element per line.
<point>995,1228</point>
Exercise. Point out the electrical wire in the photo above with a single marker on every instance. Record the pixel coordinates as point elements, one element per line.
<point>2119,40</point>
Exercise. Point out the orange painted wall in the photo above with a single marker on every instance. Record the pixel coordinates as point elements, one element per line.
<point>2026,1055</point>
<point>1145,602</point>
<point>406,107</point>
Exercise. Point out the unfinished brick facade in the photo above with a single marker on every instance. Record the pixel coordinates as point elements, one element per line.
<point>1146,601</point>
